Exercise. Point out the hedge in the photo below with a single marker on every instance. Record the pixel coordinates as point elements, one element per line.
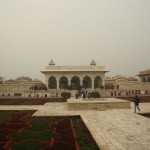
<point>95,95</point>
<point>66,94</point>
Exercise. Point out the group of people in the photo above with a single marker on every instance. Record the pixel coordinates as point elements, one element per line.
<point>83,94</point>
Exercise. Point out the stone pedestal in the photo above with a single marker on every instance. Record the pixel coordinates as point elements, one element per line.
<point>98,104</point>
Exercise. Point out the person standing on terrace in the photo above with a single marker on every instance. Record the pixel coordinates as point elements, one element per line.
<point>136,103</point>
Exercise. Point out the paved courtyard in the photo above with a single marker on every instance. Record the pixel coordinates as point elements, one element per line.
<point>115,129</point>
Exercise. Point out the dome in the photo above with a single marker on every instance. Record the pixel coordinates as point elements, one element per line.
<point>9,81</point>
<point>108,78</point>
<point>119,77</point>
<point>36,81</point>
<point>24,78</point>
<point>132,79</point>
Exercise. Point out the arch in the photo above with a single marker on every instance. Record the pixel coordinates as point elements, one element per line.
<point>148,79</point>
<point>35,87</point>
<point>52,83</point>
<point>98,82</point>
<point>63,82</point>
<point>144,80</point>
<point>87,82</point>
<point>75,82</point>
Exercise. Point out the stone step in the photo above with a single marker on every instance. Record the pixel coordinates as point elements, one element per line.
<point>101,107</point>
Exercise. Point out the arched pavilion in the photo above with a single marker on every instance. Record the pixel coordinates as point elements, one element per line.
<point>74,77</point>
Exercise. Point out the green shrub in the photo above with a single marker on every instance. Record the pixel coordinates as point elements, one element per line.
<point>95,95</point>
<point>66,94</point>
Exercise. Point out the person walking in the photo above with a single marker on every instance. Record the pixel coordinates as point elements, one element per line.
<point>136,103</point>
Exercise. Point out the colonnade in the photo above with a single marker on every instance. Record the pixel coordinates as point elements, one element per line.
<point>74,82</point>
<point>145,79</point>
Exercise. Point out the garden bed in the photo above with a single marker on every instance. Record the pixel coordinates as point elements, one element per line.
<point>143,99</point>
<point>146,115</point>
<point>19,130</point>
<point>29,101</point>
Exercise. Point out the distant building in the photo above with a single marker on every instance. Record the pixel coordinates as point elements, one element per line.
<point>123,86</point>
<point>74,77</point>
<point>20,85</point>
<point>90,78</point>
<point>144,75</point>
<point>1,80</point>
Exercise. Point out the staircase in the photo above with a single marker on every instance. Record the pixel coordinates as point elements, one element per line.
<point>101,107</point>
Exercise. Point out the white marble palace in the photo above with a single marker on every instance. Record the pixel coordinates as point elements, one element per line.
<point>60,79</point>
<point>74,77</point>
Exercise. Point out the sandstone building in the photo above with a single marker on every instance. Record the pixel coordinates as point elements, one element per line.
<point>144,75</point>
<point>60,79</point>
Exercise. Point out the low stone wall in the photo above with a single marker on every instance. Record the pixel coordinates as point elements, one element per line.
<point>98,104</point>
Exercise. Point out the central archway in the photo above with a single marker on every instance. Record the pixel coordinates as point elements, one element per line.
<point>87,83</point>
<point>63,82</point>
<point>75,82</point>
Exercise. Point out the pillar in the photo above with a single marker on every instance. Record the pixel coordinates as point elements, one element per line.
<point>69,82</point>
<point>46,81</point>
<point>92,83</point>
<point>81,82</point>
<point>103,84</point>
<point>57,84</point>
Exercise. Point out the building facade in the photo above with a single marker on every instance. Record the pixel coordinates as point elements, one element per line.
<point>144,75</point>
<point>74,77</point>
<point>125,86</point>
<point>91,78</point>
<point>21,86</point>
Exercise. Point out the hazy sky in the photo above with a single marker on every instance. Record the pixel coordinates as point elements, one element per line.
<point>116,33</point>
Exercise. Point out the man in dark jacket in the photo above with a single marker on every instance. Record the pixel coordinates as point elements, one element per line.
<point>136,102</point>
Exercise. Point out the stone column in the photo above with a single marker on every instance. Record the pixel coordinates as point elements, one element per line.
<point>69,82</point>
<point>57,84</point>
<point>81,82</point>
<point>92,83</point>
<point>46,81</point>
<point>103,83</point>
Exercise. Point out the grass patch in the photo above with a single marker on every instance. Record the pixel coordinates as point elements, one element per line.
<point>84,138</point>
<point>43,136</point>
<point>4,114</point>
<point>38,125</point>
<point>29,145</point>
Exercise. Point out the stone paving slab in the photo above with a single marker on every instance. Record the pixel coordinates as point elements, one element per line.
<point>119,130</point>
<point>116,129</point>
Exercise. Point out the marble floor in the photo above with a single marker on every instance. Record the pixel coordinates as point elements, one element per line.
<point>114,129</point>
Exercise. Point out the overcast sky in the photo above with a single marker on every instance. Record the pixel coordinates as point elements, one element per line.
<point>116,33</point>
